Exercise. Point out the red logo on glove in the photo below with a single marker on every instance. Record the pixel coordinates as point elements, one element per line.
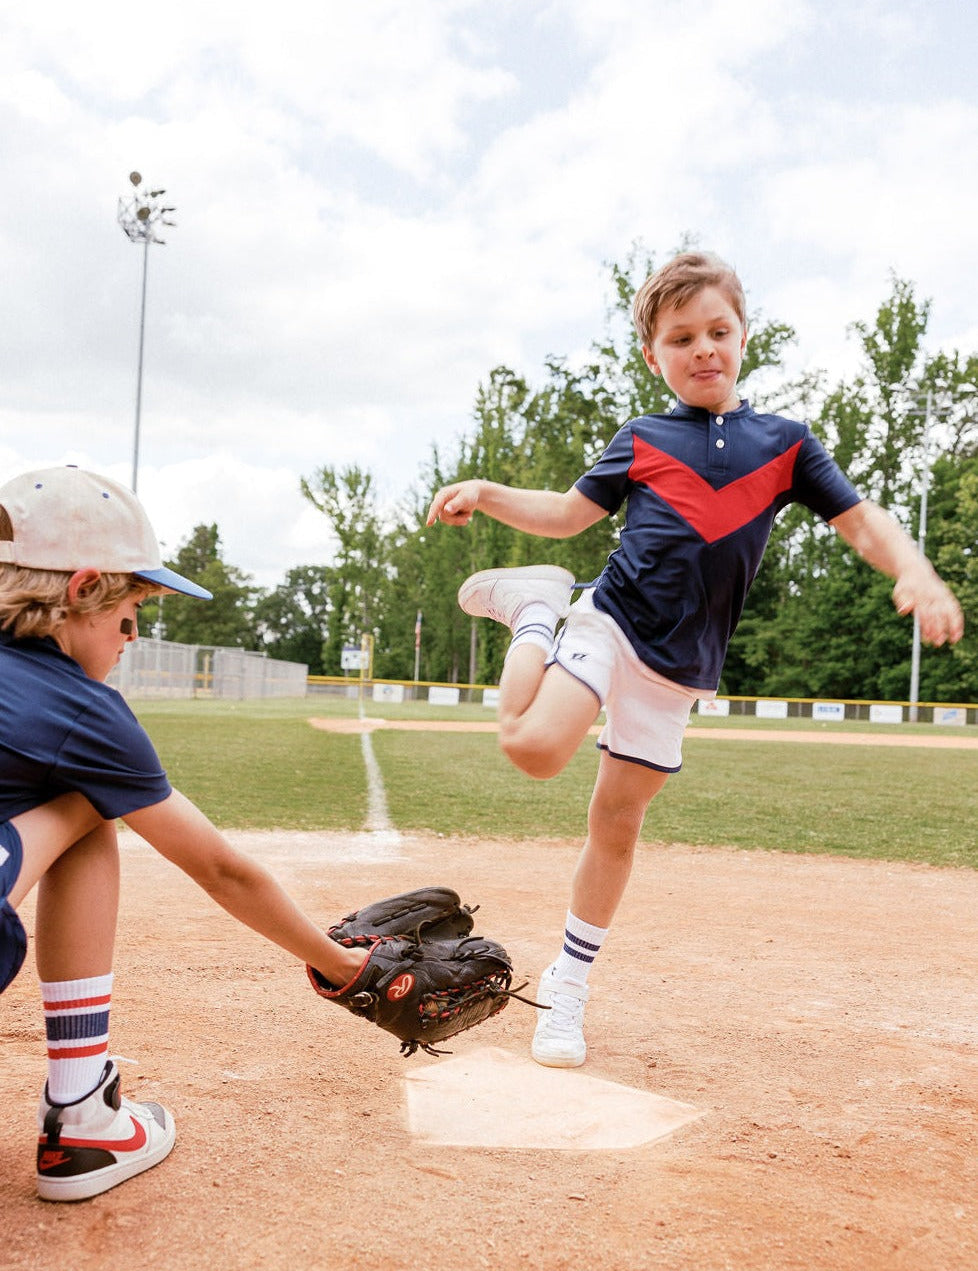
<point>400,987</point>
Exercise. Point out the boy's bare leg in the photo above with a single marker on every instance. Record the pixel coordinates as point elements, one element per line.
<point>544,713</point>
<point>47,831</point>
<point>72,855</point>
<point>77,909</point>
<point>622,793</point>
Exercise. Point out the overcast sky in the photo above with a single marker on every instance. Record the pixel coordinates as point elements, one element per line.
<point>377,202</point>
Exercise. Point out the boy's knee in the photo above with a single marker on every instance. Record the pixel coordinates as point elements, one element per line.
<point>531,754</point>
<point>618,820</point>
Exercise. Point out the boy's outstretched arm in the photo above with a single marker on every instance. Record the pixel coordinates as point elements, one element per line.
<point>885,545</point>
<point>183,834</point>
<point>546,513</point>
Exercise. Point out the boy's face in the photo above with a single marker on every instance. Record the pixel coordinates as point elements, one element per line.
<point>96,640</point>
<point>698,348</point>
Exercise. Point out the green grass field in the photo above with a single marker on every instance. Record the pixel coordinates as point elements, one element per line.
<point>260,765</point>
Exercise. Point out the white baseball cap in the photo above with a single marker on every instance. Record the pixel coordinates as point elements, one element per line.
<point>66,519</point>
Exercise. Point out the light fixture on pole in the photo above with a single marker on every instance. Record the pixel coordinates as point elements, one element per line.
<point>140,215</point>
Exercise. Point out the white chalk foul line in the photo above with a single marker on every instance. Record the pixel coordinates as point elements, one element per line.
<point>378,814</point>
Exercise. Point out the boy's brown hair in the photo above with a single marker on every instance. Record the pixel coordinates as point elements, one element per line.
<point>679,281</point>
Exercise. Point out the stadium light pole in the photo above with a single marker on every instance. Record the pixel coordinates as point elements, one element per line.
<point>139,215</point>
<point>921,547</point>
<point>963,390</point>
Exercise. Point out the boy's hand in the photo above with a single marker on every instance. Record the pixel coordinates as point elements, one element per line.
<point>922,592</point>
<point>454,504</point>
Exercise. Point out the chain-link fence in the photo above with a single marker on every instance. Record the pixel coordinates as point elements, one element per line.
<point>159,668</point>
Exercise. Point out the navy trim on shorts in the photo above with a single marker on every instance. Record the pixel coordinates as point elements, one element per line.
<point>643,763</point>
<point>13,938</point>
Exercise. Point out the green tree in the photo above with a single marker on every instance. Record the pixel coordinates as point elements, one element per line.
<point>892,349</point>
<point>951,674</point>
<point>819,621</point>
<point>347,499</point>
<point>293,620</point>
<point>226,620</point>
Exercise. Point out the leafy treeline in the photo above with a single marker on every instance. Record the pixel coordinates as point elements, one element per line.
<point>818,621</point>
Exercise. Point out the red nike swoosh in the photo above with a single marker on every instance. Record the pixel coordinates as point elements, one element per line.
<point>132,1144</point>
<point>712,513</point>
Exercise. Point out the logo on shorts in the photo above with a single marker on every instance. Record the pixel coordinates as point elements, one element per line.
<point>579,657</point>
<point>400,987</point>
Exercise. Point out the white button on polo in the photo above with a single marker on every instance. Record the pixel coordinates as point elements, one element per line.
<point>719,421</point>
<point>719,443</point>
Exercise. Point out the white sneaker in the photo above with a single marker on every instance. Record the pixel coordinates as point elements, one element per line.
<point>501,593</point>
<point>559,1038</point>
<point>89,1146</point>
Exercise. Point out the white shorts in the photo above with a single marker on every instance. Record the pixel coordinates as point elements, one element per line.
<point>646,714</point>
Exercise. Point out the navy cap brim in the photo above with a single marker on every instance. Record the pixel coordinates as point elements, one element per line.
<point>175,582</point>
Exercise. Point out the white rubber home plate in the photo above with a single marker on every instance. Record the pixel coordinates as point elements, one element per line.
<point>492,1098</point>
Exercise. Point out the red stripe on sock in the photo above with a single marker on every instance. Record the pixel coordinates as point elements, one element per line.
<point>79,1052</point>
<point>78,1003</point>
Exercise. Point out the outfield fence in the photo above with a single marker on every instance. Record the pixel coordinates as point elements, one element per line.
<point>160,668</point>
<point>818,710</point>
<point>163,669</point>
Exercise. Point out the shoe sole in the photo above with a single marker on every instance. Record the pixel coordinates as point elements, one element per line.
<point>84,1186</point>
<point>549,1061</point>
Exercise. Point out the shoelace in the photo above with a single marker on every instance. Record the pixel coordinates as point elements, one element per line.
<point>565,1014</point>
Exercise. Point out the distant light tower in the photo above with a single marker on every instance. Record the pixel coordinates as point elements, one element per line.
<point>139,215</point>
<point>933,410</point>
<point>922,548</point>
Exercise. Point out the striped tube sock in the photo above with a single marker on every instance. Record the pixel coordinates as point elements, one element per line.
<point>581,945</point>
<point>535,624</point>
<point>76,1018</point>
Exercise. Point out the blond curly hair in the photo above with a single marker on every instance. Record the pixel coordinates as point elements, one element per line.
<point>34,602</point>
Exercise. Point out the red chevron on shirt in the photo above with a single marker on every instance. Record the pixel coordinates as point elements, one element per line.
<point>712,513</point>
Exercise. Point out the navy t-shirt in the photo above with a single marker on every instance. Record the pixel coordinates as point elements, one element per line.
<point>61,731</point>
<point>702,492</point>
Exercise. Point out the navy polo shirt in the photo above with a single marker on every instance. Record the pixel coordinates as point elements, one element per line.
<point>702,492</point>
<point>61,731</point>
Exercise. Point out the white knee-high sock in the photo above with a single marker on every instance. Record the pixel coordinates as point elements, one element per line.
<point>76,1019</point>
<point>581,945</point>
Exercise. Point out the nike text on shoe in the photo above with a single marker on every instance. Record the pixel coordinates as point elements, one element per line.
<point>501,593</point>
<point>89,1146</point>
<point>559,1038</point>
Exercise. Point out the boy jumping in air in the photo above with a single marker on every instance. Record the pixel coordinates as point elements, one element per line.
<point>702,486</point>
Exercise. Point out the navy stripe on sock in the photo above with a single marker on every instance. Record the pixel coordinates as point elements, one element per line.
<point>576,953</point>
<point>70,1027</point>
<point>540,627</point>
<point>583,944</point>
